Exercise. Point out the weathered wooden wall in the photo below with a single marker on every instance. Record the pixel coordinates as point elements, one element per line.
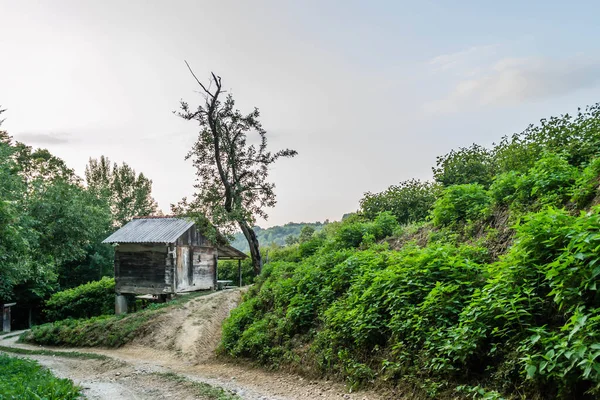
<point>195,268</point>
<point>142,269</point>
<point>193,238</point>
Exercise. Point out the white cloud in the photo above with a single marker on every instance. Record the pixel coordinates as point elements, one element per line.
<point>463,61</point>
<point>43,139</point>
<point>511,81</point>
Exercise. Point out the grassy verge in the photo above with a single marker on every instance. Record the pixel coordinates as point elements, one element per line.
<point>65,354</point>
<point>203,390</point>
<point>105,331</point>
<point>26,379</point>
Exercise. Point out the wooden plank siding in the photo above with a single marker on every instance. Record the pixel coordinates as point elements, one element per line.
<point>142,269</point>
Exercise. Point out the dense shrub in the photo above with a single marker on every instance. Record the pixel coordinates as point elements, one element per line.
<point>85,301</point>
<point>228,270</point>
<point>588,183</point>
<point>508,310</point>
<point>466,165</point>
<point>27,380</point>
<point>460,203</point>
<point>549,181</point>
<point>577,137</point>
<point>439,312</point>
<point>105,330</point>
<point>409,201</point>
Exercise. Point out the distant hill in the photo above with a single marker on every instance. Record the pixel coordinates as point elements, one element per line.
<point>274,234</point>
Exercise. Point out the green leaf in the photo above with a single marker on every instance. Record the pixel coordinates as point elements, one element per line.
<point>531,370</point>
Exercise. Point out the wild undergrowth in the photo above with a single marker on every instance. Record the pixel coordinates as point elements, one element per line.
<point>27,380</point>
<point>492,295</point>
<point>104,330</point>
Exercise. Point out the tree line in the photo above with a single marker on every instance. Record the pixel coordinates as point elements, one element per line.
<point>52,221</point>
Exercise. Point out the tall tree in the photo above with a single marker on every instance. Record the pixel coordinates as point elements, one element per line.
<point>128,194</point>
<point>232,187</point>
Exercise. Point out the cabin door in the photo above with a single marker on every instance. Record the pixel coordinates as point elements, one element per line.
<point>184,268</point>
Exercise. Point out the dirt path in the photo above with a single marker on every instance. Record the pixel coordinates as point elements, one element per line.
<point>182,343</point>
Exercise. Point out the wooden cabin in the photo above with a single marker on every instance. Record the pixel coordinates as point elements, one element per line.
<point>165,256</point>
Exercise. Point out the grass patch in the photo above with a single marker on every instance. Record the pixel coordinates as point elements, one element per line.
<point>27,380</point>
<point>65,354</point>
<point>105,330</point>
<point>202,389</point>
<point>7,336</point>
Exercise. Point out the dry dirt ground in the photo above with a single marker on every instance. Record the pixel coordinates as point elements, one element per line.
<point>182,343</point>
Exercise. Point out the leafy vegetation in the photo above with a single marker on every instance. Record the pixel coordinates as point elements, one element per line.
<point>127,194</point>
<point>492,293</point>
<point>279,235</point>
<point>408,201</point>
<point>104,330</point>
<point>52,225</point>
<point>27,380</point>
<point>84,301</point>
<point>65,354</point>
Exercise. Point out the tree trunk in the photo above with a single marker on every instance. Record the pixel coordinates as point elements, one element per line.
<point>253,243</point>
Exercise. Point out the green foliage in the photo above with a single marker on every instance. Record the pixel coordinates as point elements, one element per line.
<point>104,330</point>
<point>126,194</point>
<point>27,380</point>
<point>549,181</point>
<point>460,204</point>
<point>228,270</point>
<point>409,201</point>
<point>466,165</point>
<point>280,235</point>
<point>51,226</point>
<point>84,301</point>
<point>588,183</point>
<point>577,137</point>
<point>64,354</point>
<point>507,310</point>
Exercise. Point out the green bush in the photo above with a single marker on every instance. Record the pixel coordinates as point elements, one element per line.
<point>549,181</point>
<point>578,137</point>
<point>409,201</point>
<point>459,204</point>
<point>438,313</point>
<point>85,301</point>
<point>228,270</point>
<point>467,165</point>
<point>587,185</point>
<point>27,380</point>
<point>508,310</point>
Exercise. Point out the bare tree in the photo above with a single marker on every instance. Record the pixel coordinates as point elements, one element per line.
<point>231,184</point>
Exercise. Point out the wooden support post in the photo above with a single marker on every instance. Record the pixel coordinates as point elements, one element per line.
<point>120,304</point>
<point>240,271</point>
<point>6,316</point>
<point>216,277</point>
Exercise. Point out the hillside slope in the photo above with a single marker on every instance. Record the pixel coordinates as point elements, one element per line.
<point>492,295</point>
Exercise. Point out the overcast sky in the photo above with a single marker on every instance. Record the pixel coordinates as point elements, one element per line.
<point>368,92</point>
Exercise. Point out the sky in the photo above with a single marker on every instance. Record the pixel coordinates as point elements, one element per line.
<point>367,92</point>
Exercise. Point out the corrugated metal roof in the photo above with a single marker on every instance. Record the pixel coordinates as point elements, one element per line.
<point>150,230</point>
